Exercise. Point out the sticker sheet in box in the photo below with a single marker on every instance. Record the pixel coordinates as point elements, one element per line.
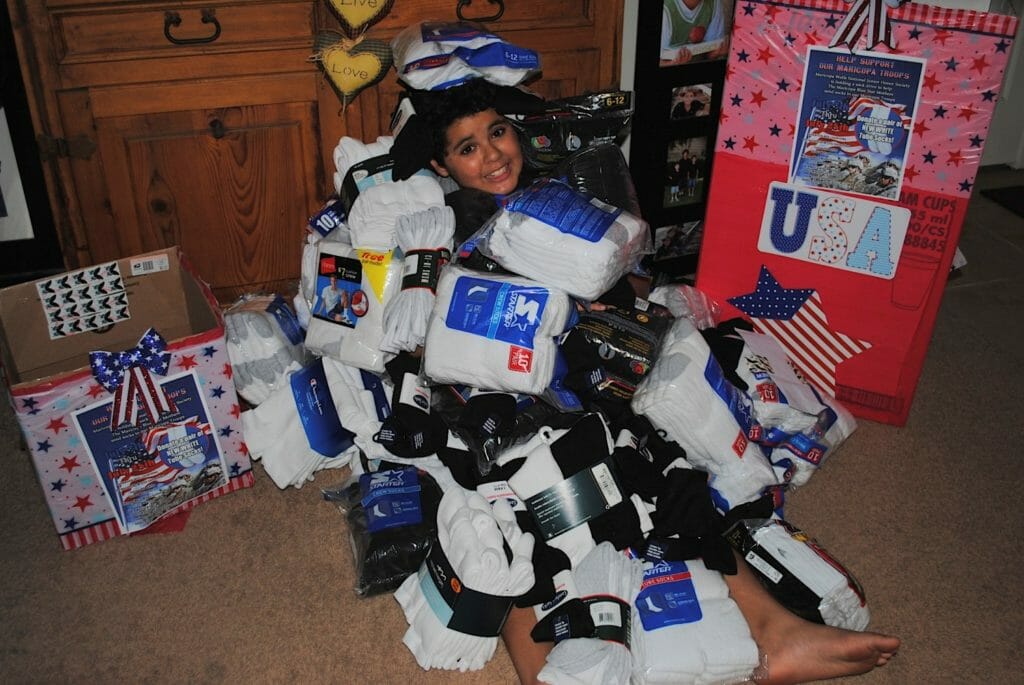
<point>841,177</point>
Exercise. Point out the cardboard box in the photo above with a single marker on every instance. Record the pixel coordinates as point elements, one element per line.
<point>120,380</point>
<point>846,155</point>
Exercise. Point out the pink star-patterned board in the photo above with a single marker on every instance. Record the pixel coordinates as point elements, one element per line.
<point>841,178</point>
<point>133,423</point>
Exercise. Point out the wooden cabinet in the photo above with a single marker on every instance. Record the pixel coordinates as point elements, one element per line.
<point>204,124</point>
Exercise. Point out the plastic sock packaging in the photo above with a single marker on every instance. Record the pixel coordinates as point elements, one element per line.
<point>558,236</point>
<point>440,55</point>
<point>352,287</point>
<point>686,628</point>
<point>425,244</point>
<point>457,603</point>
<point>685,301</point>
<point>264,344</point>
<point>800,574</point>
<point>686,395</point>
<point>607,582</point>
<point>350,151</point>
<point>373,218</point>
<point>494,332</point>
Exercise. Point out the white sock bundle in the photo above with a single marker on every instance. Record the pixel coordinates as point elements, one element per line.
<point>264,344</point>
<point>472,537</point>
<point>695,632</point>
<point>275,434</point>
<point>495,332</point>
<point>350,151</point>
<point>686,395</point>
<point>375,211</point>
<point>602,574</point>
<point>435,56</point>
<point>686,301</point>
<point>425,242</point>
<point>804,425</point>
<point>841,606</point>
<point>349,326</point>
<point>557,236</point>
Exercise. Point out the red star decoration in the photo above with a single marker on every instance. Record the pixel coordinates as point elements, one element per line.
<point>980,64</point>
<point>227,370</point>
<point>243,448</point>
<point>187,361</point>
<point>56,424</point>
<point>920,128</point>
<point>758,97</point>
<point>812,38</point>
<point>930,81</point>
<point>95,391</point>
<point>792,130</point>
<point>770,11</point>
<point>955,158</point>
<point>750,142</point>
<point>942,37</point>
<point>967,112</point>
<point>235,410</point>
<point>722,116</point>
<point>83,503</point>
<point>70,464</point>
<point>729,71</point>
<point>910,172</point>
<point>765,55</point>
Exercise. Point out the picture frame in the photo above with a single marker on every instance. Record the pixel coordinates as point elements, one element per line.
<point>677,110</point>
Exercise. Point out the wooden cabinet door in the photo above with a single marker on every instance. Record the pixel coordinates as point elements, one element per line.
<point>231,185</point>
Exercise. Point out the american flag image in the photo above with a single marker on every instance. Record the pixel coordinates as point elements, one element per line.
<point>795,318</point>
<point>133,480</point>
<point>833,125</point>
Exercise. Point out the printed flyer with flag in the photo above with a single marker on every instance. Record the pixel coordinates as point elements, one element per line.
<point>849,140</point>
<point>150,468</point>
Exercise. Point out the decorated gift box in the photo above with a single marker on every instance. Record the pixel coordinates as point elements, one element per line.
<point>849,141</point>
<point>120,380</point>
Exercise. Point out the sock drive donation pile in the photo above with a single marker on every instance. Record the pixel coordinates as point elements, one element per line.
<point>500,460</point>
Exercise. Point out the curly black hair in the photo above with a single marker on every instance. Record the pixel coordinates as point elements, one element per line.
<point>439,109</point>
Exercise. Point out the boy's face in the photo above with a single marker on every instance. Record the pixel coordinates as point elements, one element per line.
<point>482,152</point>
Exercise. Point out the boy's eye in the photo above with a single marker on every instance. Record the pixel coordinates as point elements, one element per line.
<point>498,131</point>
<point>467,149</point>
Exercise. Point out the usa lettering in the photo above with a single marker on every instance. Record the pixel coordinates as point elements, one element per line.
<point>817,227</point>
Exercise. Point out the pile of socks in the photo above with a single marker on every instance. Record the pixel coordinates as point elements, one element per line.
<point>495,332</point>
<point>473,537</point>
<point>686,628</point>
<point>436,56</point>
<point>686,395</point>
<point>686,301</point>
<point>350,151</point>
<point>373,218</point>
<point>425,242</point>
<point>554,234</point>
<point>264,344</point>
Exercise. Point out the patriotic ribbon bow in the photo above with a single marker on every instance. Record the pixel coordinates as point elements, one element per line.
<point>127,375</point>
<point>875,13</point>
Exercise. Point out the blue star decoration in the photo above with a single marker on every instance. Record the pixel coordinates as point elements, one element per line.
<point>43,446</point>
<point>965,186</point>
<point>737,100</point>
<point>70,523</point>
<point>783,85</point>
<point>940,112</point>
<point>951,64</point>
<point>929,157</point>
<point>748,10</point>
<point>976,141</point>
<point>29,403</point>
<point>832,21</point>
<point>57,485</point>
<point>729,143</point>
<point>915,34</point>
<point>218,392</point>
<point>1001,46</point>
<point>770,300</point>
<point>226,431</point>
<point>743,55</point>
<point>775,130</point>
<point>209,351</point>
<point>790,39</point>
<point>235,468</point>
<point>989,96</point>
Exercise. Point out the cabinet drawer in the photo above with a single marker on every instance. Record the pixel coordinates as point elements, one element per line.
<point>123,32</point>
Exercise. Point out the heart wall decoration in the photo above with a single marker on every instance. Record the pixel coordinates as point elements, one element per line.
<point>352,65</point>
<point>356,16</point>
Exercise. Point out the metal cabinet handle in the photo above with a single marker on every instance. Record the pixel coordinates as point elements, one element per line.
<point>465,3</point>
<point>174,19</point>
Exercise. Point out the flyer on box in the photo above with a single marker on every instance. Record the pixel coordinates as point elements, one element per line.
<point>147,469</point>
<point>855,121</point>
